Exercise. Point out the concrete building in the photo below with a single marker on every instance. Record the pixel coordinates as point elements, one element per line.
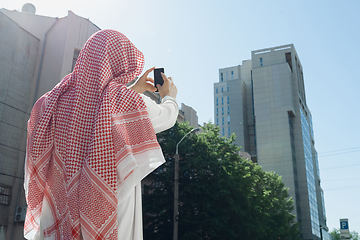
<point>263,102</point>
<point>186,113</point>
<point>36,52</point>
<point>190,115</point>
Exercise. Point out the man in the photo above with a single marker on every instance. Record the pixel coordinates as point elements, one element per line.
<point>90,142</point>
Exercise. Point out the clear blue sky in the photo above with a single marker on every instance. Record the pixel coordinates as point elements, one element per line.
<point>192,39</point>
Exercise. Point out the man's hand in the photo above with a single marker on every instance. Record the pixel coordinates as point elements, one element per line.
<point>168,88</point>
<point>144,83</point>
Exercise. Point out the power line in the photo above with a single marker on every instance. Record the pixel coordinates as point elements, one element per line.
<point>341,166</point>
<point>340,150</point>
<point>335,189</point>
<point>286,159</point>
<point>349,179</point>
<point>339,153</point>
<point>289,160</point>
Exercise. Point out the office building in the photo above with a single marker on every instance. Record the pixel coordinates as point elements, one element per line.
<point>263,102</point>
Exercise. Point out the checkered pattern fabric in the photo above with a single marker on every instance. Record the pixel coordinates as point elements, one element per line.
<point>74,146</point>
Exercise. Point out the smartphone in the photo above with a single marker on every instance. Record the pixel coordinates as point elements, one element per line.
<point>157,76</point>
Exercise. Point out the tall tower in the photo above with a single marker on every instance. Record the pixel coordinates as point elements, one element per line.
<point>270,117</point>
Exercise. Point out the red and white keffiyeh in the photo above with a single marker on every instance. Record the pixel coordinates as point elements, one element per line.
<point>79,134</point>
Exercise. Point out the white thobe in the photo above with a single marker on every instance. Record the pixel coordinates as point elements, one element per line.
<point>130,227</point>
<point>163,116</point>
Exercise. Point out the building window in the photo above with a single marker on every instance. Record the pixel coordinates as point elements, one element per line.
<point>5,194</point>
<point>216,90</point>
<point>323,203</point>
<point>228,119</point>
<point>75,57</point>
<point>232,75</point>
<point>227,88</point>
<point>217,121</point>
<point>217,101</point>
<point>228,109</point>
<point>227,76</point>
<point>229,131</point>
<point>217,111</point>
<point>288,60</point>
<point>228,99</point>
<point>223,131</point>
<point>222,89</point>
<point>222,120</point>
<point>222,77</point>
<point>309,167</point>
<point>311,126</point>
<point>222,100</point>
<point>222,110</point>
<point>261,62</point>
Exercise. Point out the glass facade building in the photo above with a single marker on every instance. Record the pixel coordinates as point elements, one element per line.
<point>273,123</point>
<point>314,215</point>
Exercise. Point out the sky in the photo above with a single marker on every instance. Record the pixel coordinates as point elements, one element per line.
<point>193,39</point>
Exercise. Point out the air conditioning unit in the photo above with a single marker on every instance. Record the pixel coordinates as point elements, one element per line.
<point>20,214</point>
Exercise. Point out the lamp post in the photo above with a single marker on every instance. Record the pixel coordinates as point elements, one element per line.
<point>176,186</point>
<point>321,235</point>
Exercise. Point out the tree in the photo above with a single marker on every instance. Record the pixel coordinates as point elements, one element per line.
<point>336,234</point>
<point>221,196</point>
<point>354,235</point>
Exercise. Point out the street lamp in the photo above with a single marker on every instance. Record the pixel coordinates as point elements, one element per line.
<point>176,186</point>
<point>321,234</point>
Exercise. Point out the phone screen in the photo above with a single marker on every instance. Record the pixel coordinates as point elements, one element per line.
<point>157,76</point>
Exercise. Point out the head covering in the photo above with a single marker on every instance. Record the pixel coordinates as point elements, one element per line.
<point>82,139</point>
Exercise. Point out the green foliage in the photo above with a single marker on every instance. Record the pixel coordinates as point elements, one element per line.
<point>336,234</point>
<point>221,196</point>
<point>354,235</point>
